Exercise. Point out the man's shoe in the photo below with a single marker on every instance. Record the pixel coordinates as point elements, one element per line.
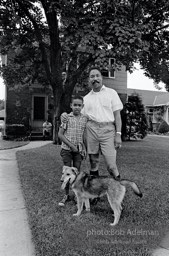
<point>64,200</point>
<point>118,178</point>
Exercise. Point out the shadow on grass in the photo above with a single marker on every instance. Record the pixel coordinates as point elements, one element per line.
<point>143,221</point>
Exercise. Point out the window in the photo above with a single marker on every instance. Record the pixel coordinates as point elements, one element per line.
<point>109,71</point>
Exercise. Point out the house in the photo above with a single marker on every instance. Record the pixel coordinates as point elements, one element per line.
<point>28,105</point>
<point>31,105</point>
<point>2,114</point>
<point>154,101</point>
<point>117,80</point>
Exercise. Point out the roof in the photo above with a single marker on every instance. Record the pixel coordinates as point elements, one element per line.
<point>2,113</point>
<point>151,98</point>
<point>162,100</point>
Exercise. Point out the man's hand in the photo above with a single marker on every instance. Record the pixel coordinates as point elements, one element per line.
<point>64,117</point>
<point>84,153</point>
<point>117,141</point>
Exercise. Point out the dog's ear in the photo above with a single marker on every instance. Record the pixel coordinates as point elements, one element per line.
<point>64,168</point>
<point>75,170</point>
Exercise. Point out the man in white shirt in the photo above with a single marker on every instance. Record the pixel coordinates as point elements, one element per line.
<point>47,129</point>
<point>102,107</point>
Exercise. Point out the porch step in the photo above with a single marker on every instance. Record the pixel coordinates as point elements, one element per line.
<point>35,135</point>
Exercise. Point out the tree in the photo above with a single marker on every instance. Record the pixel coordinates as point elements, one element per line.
<point>51,35</point>
<point>136,121</point>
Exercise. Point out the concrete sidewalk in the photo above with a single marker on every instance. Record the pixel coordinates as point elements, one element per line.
<point>15,235</point>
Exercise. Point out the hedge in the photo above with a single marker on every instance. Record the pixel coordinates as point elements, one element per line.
<point>15,130</point>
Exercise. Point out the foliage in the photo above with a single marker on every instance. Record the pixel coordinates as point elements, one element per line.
<point>84,30</point>
<point>15,130</point>
<point>163,127</point>
<point>158,113</point>
<point>136,121</point>
<point>8,144</point>
<point>46,37</point>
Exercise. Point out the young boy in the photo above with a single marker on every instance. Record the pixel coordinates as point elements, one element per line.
<point>71,133</point>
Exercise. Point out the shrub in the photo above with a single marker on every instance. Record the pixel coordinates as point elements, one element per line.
<point>135,119</point>
<point>163,127</point>
<point>15,130</point>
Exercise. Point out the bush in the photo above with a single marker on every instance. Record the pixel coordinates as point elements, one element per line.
<point>163,127</point>
<point>135,119</point>
<point>15,130</point>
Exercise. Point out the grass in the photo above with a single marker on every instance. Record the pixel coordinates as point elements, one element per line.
<point>143,221</point>
<point>8,144</point>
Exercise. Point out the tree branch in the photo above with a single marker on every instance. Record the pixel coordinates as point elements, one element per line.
<point>39,38</point>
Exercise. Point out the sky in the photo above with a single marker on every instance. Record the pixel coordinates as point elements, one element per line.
<point>136,80</point>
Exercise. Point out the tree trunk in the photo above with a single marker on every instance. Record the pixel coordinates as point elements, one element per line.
<point>65,101</point>
<point>57,94</point>
<point>67,94</point>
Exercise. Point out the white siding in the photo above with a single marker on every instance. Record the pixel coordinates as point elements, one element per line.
<point>119,83</point>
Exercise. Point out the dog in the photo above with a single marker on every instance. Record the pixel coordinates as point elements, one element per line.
<point>88,187</point>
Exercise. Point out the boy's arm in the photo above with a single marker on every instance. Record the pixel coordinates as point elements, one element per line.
<point>65,140</point>
<point>85,138</point>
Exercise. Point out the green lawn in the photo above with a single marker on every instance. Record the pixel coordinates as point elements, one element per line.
<point>143,221</point>
<point>8,144</point>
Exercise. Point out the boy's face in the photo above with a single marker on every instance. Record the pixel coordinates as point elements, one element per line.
<point>76,106</point>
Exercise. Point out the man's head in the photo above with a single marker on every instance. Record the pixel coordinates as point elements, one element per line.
<point>76,105</point>
<point>95,79</point>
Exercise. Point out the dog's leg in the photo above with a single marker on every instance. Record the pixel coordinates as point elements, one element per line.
<point>87,204</point>
<point>117,212</point>
<point>115,204</point>
<point>80,203</point>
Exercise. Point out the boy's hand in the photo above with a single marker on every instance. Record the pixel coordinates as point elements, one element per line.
<point>84,153</point>
<point>74,148</point>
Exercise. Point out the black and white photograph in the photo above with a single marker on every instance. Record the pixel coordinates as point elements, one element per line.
<point>84,128</point>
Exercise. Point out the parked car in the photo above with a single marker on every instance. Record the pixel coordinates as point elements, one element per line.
<point>2,125</point>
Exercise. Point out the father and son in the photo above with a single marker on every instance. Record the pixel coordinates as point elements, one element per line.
<point>95,124</point>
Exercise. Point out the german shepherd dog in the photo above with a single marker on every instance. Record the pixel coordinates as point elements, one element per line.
<point>88,187</point>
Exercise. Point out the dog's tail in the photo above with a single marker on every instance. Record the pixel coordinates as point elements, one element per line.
<point>133,185</point>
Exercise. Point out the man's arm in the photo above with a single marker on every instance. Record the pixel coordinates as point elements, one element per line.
<point>65,140</point>
<point>118,124</point>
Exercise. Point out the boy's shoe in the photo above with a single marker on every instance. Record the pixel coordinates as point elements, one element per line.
<point>64,200</point>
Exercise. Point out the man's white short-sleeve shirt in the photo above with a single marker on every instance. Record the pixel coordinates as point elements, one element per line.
<point>99,106</point>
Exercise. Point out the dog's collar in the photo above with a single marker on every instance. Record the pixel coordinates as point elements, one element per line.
<point>75,177</point>
<point>74,172</point>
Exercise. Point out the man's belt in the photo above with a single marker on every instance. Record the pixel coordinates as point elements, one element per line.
<point>101,124</point>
